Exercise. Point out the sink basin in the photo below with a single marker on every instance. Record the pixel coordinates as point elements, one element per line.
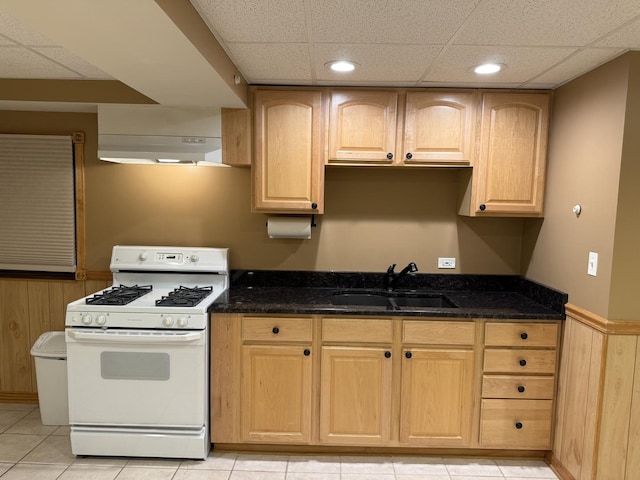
<point>391,300</point>
<point>360,299</point>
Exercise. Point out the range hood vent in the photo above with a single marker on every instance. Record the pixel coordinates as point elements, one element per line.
<point>152,134</point>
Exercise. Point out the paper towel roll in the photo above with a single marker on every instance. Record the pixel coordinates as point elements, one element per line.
<point>298,226</point>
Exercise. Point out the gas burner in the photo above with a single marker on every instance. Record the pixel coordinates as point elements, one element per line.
<point>184,297</point>
<point>119,295</point>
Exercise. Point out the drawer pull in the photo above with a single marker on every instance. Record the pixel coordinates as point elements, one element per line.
<point>387,354</point>
<point>407,354</point>
<point>524,335</point>
<point>275,330</point>
<point>521,388</point>
<point>519,425</point>
<point>307,352</point>
<point>523,362</point>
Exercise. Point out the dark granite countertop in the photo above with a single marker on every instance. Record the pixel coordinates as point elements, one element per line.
<point>474,296</point>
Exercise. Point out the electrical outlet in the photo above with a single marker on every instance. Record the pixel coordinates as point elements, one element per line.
<point>446,262</point>
<point>592,267</point>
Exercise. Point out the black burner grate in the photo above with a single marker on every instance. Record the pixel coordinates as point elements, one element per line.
<point>184,297</point>
<point>120,295</point>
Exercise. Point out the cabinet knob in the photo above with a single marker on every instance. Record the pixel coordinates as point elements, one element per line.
<point>483,207</point>
<point>524,335</point>
<point>307,352</point>
<point>407,354</point>
<point>390,156</point>
<point>275,330</point>
<point>521,388</point>
<point>387,354</point>
<point>523,362</point>
<point>408,156</point>
<point>518,425</point>
<point>314,205</point>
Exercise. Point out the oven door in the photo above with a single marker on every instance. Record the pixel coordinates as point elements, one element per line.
<point>137,377</point>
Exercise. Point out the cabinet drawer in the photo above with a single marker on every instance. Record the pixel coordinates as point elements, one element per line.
<point>502,360</point>
<point>438,333</point>
<point>511,386</point>
<point>516,423</point>
<point>357,330</point>
<point>521,334</point>
<point>276,329</point>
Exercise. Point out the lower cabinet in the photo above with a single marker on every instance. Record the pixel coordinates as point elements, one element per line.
<point>355,396</point>
<point>437,397</point>
<point>382,381</point>
<point>276,399</point>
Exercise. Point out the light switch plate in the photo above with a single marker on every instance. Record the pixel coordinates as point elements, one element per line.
<point>592,268</point>
<point>446,262</point>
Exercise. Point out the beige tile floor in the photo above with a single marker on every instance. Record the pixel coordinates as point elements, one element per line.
<point>30,450</point>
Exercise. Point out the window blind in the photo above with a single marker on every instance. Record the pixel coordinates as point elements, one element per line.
<point>37,203</point>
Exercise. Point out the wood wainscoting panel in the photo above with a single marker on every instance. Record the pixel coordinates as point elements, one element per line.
<point>15,358</point>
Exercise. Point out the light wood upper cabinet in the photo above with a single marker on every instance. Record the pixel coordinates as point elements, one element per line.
<point>439,127</point>
<point>288,173</point>
<point>391,127</point>
<point>509,175</point>
<point>437,397</point>
<point>362,126</point>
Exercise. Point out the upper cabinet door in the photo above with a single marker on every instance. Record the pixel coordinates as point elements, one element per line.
<point>439,127</point>
<point>510,172</point>
<point>288,170</point>
<point>362,126</point>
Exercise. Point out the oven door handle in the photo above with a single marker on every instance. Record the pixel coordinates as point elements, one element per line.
<point>138,338</point>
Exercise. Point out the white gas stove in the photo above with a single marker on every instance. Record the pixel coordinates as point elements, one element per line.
<point>138,354</point>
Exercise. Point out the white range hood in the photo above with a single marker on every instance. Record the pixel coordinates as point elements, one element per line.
<point>152,134</point>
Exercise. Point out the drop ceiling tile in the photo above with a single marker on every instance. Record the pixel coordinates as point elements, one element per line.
<point>544,22</point>
<point>382,21</point>
<point>480,84</point>
<point>21,33</point>
<point>288,62</point>
<point>376,63</point>
<point>523,63</point>
<point>627,36</point>
<point>21,62</point>
<point>280,21</point>
<point>73,62</point>
<point>581,62</point>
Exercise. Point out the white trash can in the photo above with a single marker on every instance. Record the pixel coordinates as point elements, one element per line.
<point>50,353</point>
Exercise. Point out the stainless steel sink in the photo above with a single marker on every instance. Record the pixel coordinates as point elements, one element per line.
<point>392,300</point>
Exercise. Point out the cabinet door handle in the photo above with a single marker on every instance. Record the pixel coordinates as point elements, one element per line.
<point>524,335</point>
<point>390,156</point>
<point>523,362</point>
<point>275,330</point>
<point>483,207</point>
<point>521,388</point>
<point>519,425</point>
<point>387,354</point>
<point>307,352</point>
<point>407,354</point>
<point>314,205</point>
<point>409,156</point>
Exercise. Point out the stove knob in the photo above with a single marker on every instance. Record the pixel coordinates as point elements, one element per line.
<point>86,319</point>
<point>101,320</point>
<point>143,256</point>
<point>182,322</point>
<point>194,257</point>
<point>167,321</point>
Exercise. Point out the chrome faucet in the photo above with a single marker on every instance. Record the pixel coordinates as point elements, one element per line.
<point>391,279</point>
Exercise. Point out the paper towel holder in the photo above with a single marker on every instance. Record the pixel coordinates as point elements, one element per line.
<point>313,221</point>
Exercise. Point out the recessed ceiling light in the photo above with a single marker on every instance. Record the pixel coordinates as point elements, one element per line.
<point>341,66</point>
<point>488,68</point>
